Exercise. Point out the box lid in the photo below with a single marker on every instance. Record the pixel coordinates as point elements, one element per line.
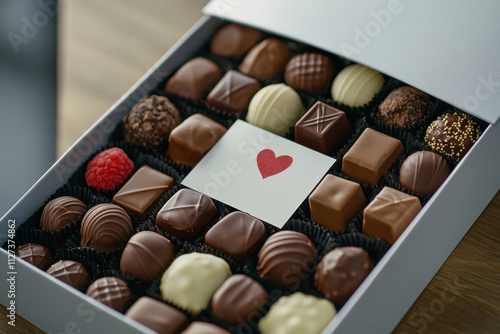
<point>449,49</point>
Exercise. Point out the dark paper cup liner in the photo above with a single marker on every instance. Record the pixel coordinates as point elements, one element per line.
<point>375,247</point>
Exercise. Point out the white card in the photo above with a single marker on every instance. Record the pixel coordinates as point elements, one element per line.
<point>258,172</point>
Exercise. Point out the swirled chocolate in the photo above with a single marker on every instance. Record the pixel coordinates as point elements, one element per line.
<point>105,227</point>
<point>285,258</point>
<point>111,291</point>
<point>70,272</point>
<point>61,211</point>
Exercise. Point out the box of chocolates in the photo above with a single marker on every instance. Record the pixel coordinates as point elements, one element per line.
<point>261,178</point>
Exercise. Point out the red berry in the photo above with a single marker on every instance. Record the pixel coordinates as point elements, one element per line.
<point>108,169</point>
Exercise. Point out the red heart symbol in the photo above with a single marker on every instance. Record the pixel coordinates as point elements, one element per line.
<point>269,165</point>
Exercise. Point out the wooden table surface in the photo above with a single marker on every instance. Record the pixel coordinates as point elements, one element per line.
<point>105,46</point>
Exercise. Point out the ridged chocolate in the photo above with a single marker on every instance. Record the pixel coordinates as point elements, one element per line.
<point>146,254</point>
<point>61,211</point>
<point>309,71</point>
<point>70,272</point>
<point>423,172</point>
<point>158,316</point>
<point>285,258</point>
<point>452,135</point>
<point>36,254</point>
<point>233,40</point>
<point>237,234</point>
<point>266,59</point>
<point>185,214</point>
<point>111,291</point>
<point>341,272</point>
<point>150,121</point>
<point>105,227</point>
<point>238,300</point>
<point>200,327</point>
<point>404,107</point>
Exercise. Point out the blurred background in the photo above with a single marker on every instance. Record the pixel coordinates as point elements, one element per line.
<point>99,48</point>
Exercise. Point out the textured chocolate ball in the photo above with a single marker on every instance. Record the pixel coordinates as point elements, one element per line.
<point>36,254</point>
<point>405,107</point>
<point>60,212</point>
<point>111,291</point>
<point>423,172</point>
<point>285,258</point>
<point>105,227</point>
<point>309,71</point>
<point>70,272</point>
<point>147,253</point>
<point>452,135</point>
<point>341,272</point>
<point>150,121</point>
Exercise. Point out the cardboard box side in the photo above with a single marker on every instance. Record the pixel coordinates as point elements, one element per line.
<point>444,49</point>
<point>399,278</point>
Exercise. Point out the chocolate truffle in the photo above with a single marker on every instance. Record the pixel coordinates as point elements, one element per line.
<point>452,135</point>
<point>237,234</point>
<point>297,314</point>
<point>322,127</point>
<point>404,107</point>
<point>70,272</point>
<point>185,214</point>
<point>423,172</point>
<point>371,156</point>
<point>341,272</point>
<point>238,300</point>
<point>335,202</point>
<point>199,327</point>
<point>143,190</point>
<point>266,60</point>
<point>158,316</point>
<point>275,108</point>
<point>356,85</point>
<point>191,280</point>
<point>194,79</point>
<point>309,71</point>
<point>105,227</point>
<point>233,40</point>
<point>146,254</point>
<point>233,92</point>
<point>35,254</point>
<point>191,140</point>
<point>111,291</point>
<point>389,214</point>
<point>285,258</point>
<point>60,212</point>
<point>150,121</point>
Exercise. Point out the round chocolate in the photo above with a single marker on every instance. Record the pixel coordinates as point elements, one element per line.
<point>356,85</point>
<point>36,254</point>
<point>452,135</point>
<point>150,121</point>
<point>309,71</point>
<point>105,227</point>
<point>200,327</point>
<point>111,291</point>
<point>70,272</point>
<point>405,107</point>
<point>61,211</point>
<point>233,40</point>
<point>341,272</point>
<point>423,172</point>
<point>266,59</point>
<point>147,253</point>
<point>238,300</point>
<point>285,258</point>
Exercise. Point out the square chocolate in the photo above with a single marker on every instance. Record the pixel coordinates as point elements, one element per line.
<point>322,127</point>
<point>194,79</point>
<point>185,214</point>
<point>233,92</point>
<point>389,214</point>
<point>335,202</point>
<point>143,190</point>
<point>193,138</point>
<point>371,156</point>
<point>237,234</point>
